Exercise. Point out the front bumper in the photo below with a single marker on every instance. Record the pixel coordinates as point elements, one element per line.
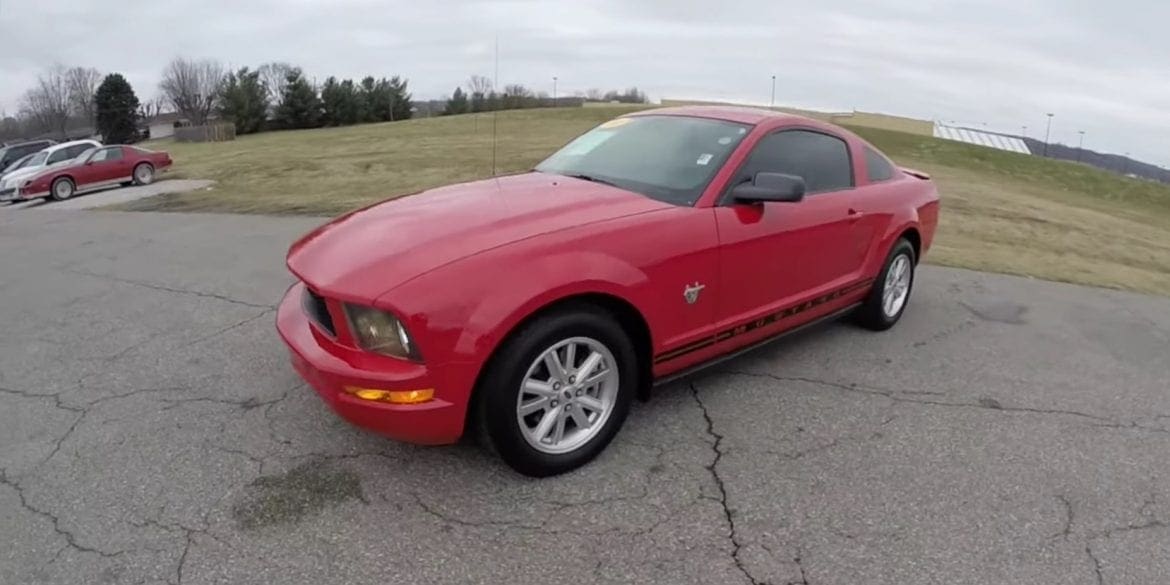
<point>329,366</point>
<point>8,194</point>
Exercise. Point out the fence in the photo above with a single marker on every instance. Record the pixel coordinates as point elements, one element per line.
<point>211,133</point>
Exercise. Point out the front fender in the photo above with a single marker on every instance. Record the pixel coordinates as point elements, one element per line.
<point>469,307</point>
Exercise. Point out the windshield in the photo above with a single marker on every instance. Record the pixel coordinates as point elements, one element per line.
<point>669,158</point>
<point>37,159</point>
<point>20,162</point>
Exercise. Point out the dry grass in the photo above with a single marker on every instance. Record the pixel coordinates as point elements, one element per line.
<point>1002,212</point>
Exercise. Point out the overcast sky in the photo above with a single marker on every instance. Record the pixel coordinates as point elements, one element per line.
<point>1102,67</point>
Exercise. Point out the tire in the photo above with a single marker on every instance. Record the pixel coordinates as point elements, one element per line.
<point>519,391</point>
<point>143,174</point>
<point>875,313</point>
<point>62,189</point>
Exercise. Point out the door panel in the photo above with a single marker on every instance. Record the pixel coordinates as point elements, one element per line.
<point>778,254</point>
<point>106,166</point>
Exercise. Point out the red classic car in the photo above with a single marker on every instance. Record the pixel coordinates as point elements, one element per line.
<point>536,306</point>
<point>100,167</point>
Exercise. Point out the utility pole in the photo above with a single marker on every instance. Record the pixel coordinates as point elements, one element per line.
<point>1126,169</point>
<point>554,91</point>
<point>1025,131</point>
<point>772,102</point>
<point>1080,145</point>
<point>1048,133</point>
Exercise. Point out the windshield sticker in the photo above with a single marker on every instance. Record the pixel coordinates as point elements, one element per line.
<point>704,159</point>
<point>725,140</point>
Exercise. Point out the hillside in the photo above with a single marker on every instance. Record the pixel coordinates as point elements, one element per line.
<point>1002,212</point>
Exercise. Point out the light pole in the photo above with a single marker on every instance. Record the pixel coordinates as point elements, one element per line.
<point>1047,133</point>
<point>554,91</point>
<point>772,103</point>
<point>1080,145</point>
<point>1025,131</point>
<point>1126,170</point>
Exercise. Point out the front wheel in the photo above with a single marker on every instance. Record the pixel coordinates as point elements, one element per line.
<point>891,291</point>
<point>61,189</point>
<point>558,391</point>
<point>143,174</point>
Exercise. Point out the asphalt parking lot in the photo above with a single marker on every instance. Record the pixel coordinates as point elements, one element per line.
<point>151,431</point>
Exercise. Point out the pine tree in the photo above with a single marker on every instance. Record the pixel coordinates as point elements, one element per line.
<point>117,110</point>
<point>300,108</point>
<point>243,99</point>
<point>457,104</point>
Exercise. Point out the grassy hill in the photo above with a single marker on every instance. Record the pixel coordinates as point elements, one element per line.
<point>1002,211</point>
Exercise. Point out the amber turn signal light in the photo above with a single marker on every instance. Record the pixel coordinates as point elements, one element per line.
<point>392,396</point>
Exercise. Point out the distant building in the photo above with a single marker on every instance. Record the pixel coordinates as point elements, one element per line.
<point>982,138</point>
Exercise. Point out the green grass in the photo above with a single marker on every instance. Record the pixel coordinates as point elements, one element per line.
<point>1002,211</point>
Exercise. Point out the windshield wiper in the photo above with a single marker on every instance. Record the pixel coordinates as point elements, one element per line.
<point>592,179</point>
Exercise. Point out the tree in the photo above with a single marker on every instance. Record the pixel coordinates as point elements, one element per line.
<point>47,103</point>
<point>148,109</point>
<point>192,87</point>
<point>343,103</point>
<point>479,87</point>
<point>457,104</point>
<point>300,108</point>
<point>629,96</point>
<point>82,83</point>
<point>117,110</point>
<point>401,108</point>
<point>515,96</point>
<point>243,99</point>
<point>594,95</point>
<point>274,75</point>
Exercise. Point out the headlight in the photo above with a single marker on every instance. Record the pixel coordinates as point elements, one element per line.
<point>380,332</point>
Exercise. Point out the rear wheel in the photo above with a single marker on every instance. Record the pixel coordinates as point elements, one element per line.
<point>558,391</point>
<point>891,292</point>
<point>143,174</point>
<point>61,189</point>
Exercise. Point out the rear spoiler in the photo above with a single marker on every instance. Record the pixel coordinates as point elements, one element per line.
<point>916,174</point>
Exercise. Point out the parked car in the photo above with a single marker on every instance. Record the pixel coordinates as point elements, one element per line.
<point>537,305</point>
<point>53,155</point>
<point>11,152</point>
<point>101,167</point>
<point>16,164</point>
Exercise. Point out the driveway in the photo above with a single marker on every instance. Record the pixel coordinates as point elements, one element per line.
<point>152,431</point>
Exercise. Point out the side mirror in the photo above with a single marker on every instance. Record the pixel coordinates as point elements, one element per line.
<point>89,162</point>
<point>770,187</point>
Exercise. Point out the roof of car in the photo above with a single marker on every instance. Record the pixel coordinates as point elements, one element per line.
<point>56,147</point>
<point>743,115</point>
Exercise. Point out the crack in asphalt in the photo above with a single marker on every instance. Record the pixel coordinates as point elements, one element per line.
<point>728,516</point>
<point>1096,563</point>
<point>70,538</point>
<point>159,287</point>
<point>982,404</point>
<point>231,327</point>
<point>1066,530</point>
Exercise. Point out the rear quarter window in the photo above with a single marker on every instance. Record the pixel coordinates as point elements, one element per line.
<point>877,168</point>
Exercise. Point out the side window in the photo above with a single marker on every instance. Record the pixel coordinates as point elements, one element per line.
<point>107,155</point>
<point>877,168</point>
<point>74,151</point>
<point>60,155</point>
<point>822,160</point>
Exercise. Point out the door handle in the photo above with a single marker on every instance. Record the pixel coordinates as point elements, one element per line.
<point>854,214</point>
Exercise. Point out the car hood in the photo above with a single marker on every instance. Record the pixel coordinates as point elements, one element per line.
<point>15,178</point>
<point>363,254</point>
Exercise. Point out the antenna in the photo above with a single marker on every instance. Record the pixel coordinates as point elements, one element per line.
<point>496,109</point>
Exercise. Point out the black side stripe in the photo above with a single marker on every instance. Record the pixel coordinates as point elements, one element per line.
<point>761,322</point>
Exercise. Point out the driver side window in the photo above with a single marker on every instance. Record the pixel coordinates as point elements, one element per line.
<point>820,159</point>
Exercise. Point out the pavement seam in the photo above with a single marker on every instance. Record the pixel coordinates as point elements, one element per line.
<point>716,443</point>
<point>159,287</point>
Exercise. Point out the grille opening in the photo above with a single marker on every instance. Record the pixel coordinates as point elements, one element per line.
<point>317,310</point>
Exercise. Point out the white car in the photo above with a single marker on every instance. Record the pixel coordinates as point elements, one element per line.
<point>50,156</point>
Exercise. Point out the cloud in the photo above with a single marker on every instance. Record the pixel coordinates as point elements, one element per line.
<point>995,62</point>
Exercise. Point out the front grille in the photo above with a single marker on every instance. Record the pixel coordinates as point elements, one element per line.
<point>317,310</point>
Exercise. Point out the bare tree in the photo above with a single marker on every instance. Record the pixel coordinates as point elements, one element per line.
<point>479,84</point>
<point>151,108</point>
<point>47,103</point>
<point>83,83</point>
<point>594,95</point>
<point>274,76</point>
<point>192,87</point>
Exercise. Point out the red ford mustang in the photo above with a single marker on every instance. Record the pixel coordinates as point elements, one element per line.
<point>537,306</point>
<point>100,167</point>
